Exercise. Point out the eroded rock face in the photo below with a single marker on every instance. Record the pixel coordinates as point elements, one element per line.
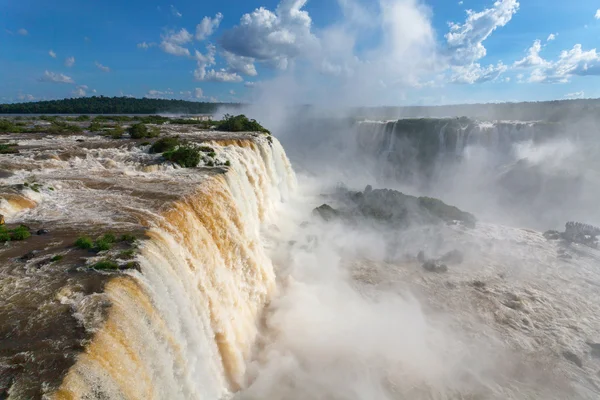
<point>576,232</point>
<point>393,207</point>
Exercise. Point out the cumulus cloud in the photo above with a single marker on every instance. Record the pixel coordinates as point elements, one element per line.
<point>204,61</point>
<point>69,61</point>
<point>198,93</point>
<point>80,91</point>
<point>175,12</point>
<point>574,62</point>
<point>52,54</point>
<point>465,41</point>
<point>551,37</point>
<point>475,73</point>
<point>172,42</point>
<point>575,95</point>
<point>597,16</point>
<point>250,84</point>
<point>208,26</point>
<point>222,76</point>
<point>23,32</point>
<point>533,59</point>
<point>54,77</point>
<point>102,67</point>
<point>239,64</point>
<point>273,36</point>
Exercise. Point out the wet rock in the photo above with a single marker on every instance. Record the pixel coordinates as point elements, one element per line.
<point>595,349</point>
<point>29,255</point>
<point>2,222</point>
<point>452,257</point>
<point>131,265</point>
<point>478,284</point>
<point>43,231</point>
<point>434,266</point>
<point>5,174</point>
<point>421,256</point>
<point>80,140</point>
<point>552,235</point>
<point>326,212</point>
<point>574,358</point>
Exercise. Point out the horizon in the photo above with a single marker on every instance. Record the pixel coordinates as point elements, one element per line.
<point>351,52</point>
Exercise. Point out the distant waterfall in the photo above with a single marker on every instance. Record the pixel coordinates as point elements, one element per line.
<point>184,327</point>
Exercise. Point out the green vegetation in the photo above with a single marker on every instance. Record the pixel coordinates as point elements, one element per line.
<point>19,233</point>
<point>84,242</point>
<point>165,144</point>
<point>96,126</point>
<point>240,123</point>
<point>111,105</point>
<point>106,265</point>
<point>104,242</point>
<point>186,156</point>
<point>116,133</point>
<point>8,148</point>
<point>140,131</point>
<point>60,128</point>
<point>56,258</point>
<point>127,237</point>
<point>127,254</point>
<point>116,118</point>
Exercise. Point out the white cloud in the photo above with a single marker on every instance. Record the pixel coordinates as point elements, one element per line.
<point>474,73</point>
<point>186,93</point>
<point>276,37</point>
<point>208,26</point>
<point>172,42</point>
<point>597,16</point>
<point>250,84</point>
<point>533,59</point>
<point>80,91</point>
<point>157,94</point>
<point>55,78</point>
<point>198,93</point>
<point>204,61</point>
<point>222,76</point>
<point>102,67</point>
<point>145,46</point>
<point>23,32</point>
<point>574,62</point>
<point>576,95</point>
<point>25,97</point>
<point>551,37</point>
<point>69,61</point>
<point>460,3</point>
<point>465,42</point>
<point>232,92</point>
<point>175,12</point>
<point>239,64</point>
<point>52,54</point>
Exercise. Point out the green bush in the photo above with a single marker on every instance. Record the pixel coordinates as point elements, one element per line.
<point>61,127</point>
<point>206,149</point>
<point>8,148</point>
<point>83,118</point>
<point>127,237</point>
<point>240,123</point>
<point>186,156</point>
<point>153,132</point>
<point>117,132</point>
<point>164,144</point>
<point>84,242</point>
<point>154,119</point>
<point>56,258</point>
<point>106,265</point>
<point>7,126</point>
<point>20,233</point>
<point>127,254</point>
<point>138,131</point>
<point>105,242</point>
<point>4,234</point>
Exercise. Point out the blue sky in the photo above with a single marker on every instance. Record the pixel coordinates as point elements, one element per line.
<point>360,52</point>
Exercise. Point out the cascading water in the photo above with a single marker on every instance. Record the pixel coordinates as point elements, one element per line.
<point>184,327</point>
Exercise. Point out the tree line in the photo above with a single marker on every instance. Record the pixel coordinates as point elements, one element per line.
<point>113,105</point>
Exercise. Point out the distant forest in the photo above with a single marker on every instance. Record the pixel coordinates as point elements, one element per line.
<point>557,110</point>
<point>112,105</point>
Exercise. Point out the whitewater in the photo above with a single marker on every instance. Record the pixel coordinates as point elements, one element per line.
<point>243,292</point>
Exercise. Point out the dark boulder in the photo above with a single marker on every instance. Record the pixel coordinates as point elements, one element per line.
<point>326,212</point>
<point>434,266</point>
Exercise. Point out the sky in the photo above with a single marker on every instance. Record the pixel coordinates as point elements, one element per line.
<point>351,52</point>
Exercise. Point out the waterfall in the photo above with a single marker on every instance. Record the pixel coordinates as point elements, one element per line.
<point>185,325</point>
